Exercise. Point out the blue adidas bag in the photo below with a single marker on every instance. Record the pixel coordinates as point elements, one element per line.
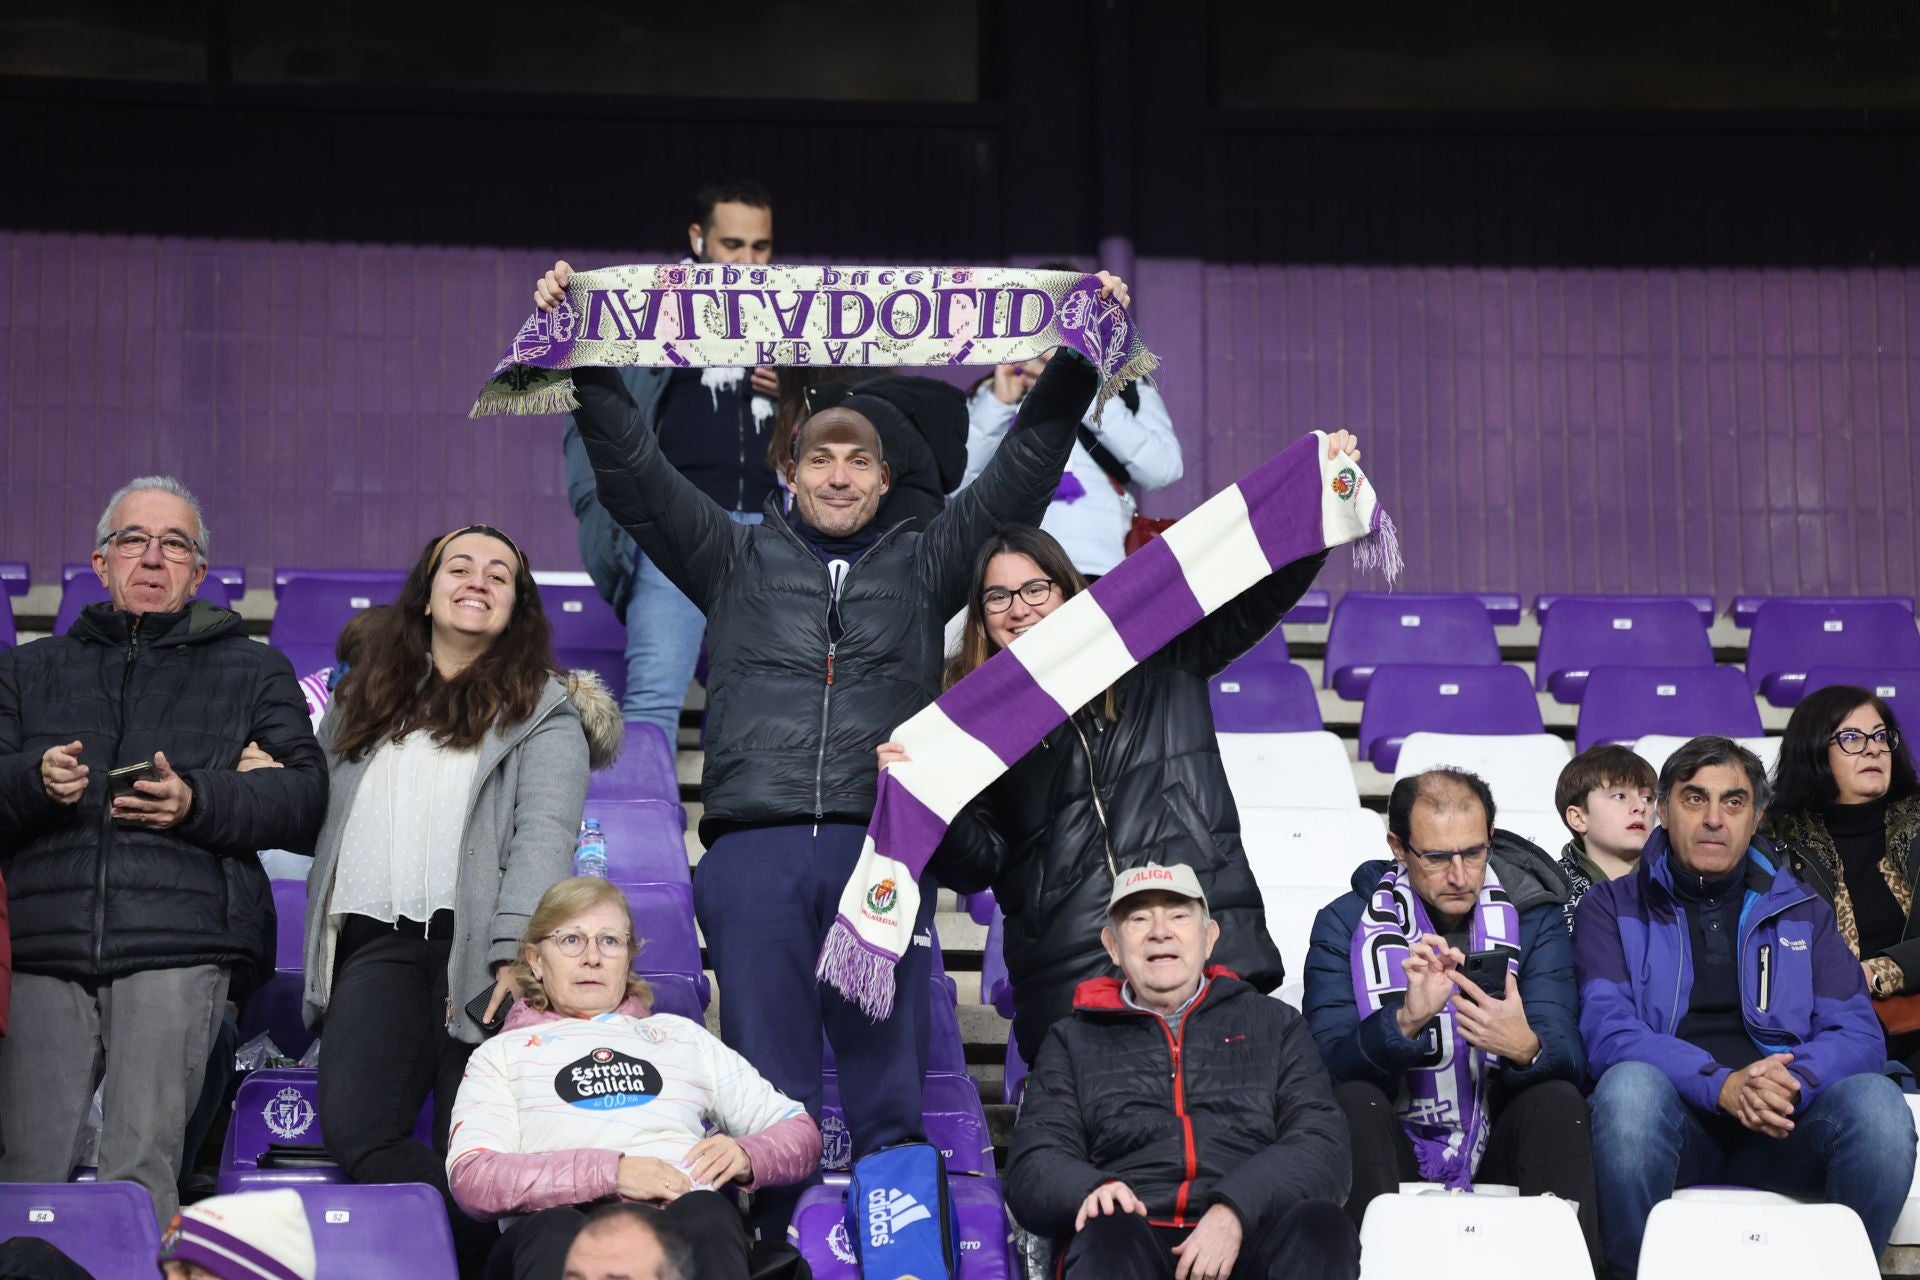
<point>900,1219</point>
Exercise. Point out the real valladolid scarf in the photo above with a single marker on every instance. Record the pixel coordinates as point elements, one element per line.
<point>1443,1101</point>
<point>718,314</point>
<point>1295,504</point>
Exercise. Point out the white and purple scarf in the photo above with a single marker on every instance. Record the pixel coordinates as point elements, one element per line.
<point>1442,1102</point>
<point>1295,504</point>
<point>725,315</point>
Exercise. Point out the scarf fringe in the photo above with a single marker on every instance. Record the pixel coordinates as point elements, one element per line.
<point>1137,366</point>
<point>1380,550</point>
<point>856,971</point>
<point>556,396</point>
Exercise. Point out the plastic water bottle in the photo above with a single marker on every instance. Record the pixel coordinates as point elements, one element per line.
<point>590,851</point>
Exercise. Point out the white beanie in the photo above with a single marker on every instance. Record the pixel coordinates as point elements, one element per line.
<point>255,1235</point>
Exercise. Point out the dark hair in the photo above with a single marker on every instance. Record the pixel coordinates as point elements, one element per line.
<point>728,191</point>
<point>678,1262</point>
<point>976,646</point>
<point>1703,753</point>
<point>1432,786</point>
<point>394,689</point>
<point>1607,765</point>
<point>1803,780</point>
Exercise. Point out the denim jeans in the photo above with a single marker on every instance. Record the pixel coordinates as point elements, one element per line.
<point>663,643</point>
<point>1853,1146</point>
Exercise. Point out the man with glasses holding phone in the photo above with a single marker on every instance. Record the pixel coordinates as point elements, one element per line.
<point>128,839</point>
<point>1441,994</point>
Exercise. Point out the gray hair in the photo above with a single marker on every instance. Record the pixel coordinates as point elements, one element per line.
<point>1706,751</point>
<point>155,484</point>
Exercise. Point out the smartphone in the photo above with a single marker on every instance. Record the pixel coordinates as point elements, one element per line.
<point>1487,970</point>
<point>477,1010</point>
<point>120,781</point>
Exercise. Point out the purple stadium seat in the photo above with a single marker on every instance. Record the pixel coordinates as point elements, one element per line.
<point>1746,608</point>
<point>1253,697</point>
<point>663,914</point>
<point>8,637</point>
<point>1310,609</point>
<point>1544,602</point>
<point>677,993</point>
<point>1432,698</point>
<point>1371,629</point>
<point>646,841</point>
<point>1791,637</point>
<point>106,1227</point>
<point>587,633</point>
<point>85,590</point>
<point>313,608</point>
<point>819,1230</point>
<point>644,770</point>
<point>399,1229</point>
<point>274,1136</point>
<point>1269,650</point>
<point>1887,683</point>
<point>1624,704</point>
<point>16,576</point>
<point>996,988</point>
<point>275,1007</point>
<point>1015,1072</point>
<point>1503,607</point>
<point>978,906</point>
<point>1585,632</point>
<point>955,1120</point>
<point>287,573</point>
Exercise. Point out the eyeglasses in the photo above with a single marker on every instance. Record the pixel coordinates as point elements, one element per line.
<point>1034,591</point>
<point>572,944</point>
<point>1853,742</point>
<point>131,544</point>
<point>1439,858</point>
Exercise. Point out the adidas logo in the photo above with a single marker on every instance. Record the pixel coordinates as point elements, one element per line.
<point>890,1212</point>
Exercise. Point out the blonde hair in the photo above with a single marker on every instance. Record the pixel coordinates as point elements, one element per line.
<point>560,903</point>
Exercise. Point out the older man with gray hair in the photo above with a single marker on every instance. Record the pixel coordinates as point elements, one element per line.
<point>1727,1022</point>
<point>128,834</point>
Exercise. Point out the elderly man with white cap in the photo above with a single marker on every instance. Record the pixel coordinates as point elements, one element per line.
<point>1180,1125</point>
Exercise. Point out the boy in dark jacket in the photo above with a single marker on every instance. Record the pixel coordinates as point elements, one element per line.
<point>1179,1118</point>
<point>1441,1079</point>
<point>1728,1023</point>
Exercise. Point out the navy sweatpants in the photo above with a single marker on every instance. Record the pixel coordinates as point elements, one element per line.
<point>765,898</point>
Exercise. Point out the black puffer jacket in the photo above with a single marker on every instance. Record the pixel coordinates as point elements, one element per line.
<point>91,899</point>
<point>1040,836</point>
<point>784,744</point>
<point>1235,1110</point>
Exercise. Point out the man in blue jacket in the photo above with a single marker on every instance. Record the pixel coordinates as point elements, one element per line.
<point>1727,1021</point>
<point>1441,1080</point>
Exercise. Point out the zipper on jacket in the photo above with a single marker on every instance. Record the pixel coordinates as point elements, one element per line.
<point>1766,976</point>
<point>106,820</point>
<point>1180,1108</point>
<point>835,584</point>
<point>1099,806</point>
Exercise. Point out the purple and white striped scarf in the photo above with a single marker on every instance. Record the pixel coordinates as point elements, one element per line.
<point>1295,504</point>
<point>1442,1101</point>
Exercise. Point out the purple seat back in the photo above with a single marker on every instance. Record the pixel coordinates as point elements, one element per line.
<point>1503,607</point>
<point>1624,704</point>
<point>85,590</point>
<point>677,993</point>
<point>587,633</point>
<point>996,988</point>
<point>1885,683</point>
<point>1310,609</point>
<point>395,1229</point>
<point>1791,637</point>
<point>819,1230</point>
<point>663,914</point>
<point>1417,698</point>
<point>313,607</point>
<point>1544,602</point>
<point>272,1105</point>
<point>16,577</point>
<point>1257,697</point>
<point>1746,608</point>
<point>290,924</point>
<point>1585,632</point>
<point>106,1227</point>
<point>1015,1072</point>
<point>287,573</point>
<point>8,637</point>
<point>950,1106</point>
<point>1373,629</point>
<point>644,770</point>
<point>275,1006</point>
<point>979,906</point>
<point>646,841</point>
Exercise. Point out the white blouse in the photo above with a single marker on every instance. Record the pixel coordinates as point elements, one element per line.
<point>400,851</point>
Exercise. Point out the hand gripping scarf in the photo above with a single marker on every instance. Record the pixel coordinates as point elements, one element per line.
<point>1442,1101</point>
<point>1295,504</point>
<point>722,314</point>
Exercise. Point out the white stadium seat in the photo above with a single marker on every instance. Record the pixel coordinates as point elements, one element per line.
<point>1752,1233</point>
<point>1656,747</point>
<point>1481,1235</point>
<point>1311,847</point>
<point>1521,768</point>
<point>1543,827</point>
<point>1289,770</point>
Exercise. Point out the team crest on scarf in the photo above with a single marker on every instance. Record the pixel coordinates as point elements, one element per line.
<point>1442,1100</point>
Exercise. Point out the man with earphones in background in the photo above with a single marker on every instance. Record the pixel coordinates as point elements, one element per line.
<point>711,425</point>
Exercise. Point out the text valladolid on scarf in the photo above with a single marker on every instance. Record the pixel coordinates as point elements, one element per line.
<point>721,314</point>
<point>1442,1102</point>
<point>1297,503</point>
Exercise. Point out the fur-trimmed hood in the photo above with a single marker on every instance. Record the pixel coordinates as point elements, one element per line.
<point>599,716</point>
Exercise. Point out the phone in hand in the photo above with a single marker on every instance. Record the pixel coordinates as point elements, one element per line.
<point>1487,970</point>
<point>477,1010</point>
<point>120,781</point>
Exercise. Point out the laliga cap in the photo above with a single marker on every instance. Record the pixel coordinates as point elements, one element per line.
<point>1177,879</point>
